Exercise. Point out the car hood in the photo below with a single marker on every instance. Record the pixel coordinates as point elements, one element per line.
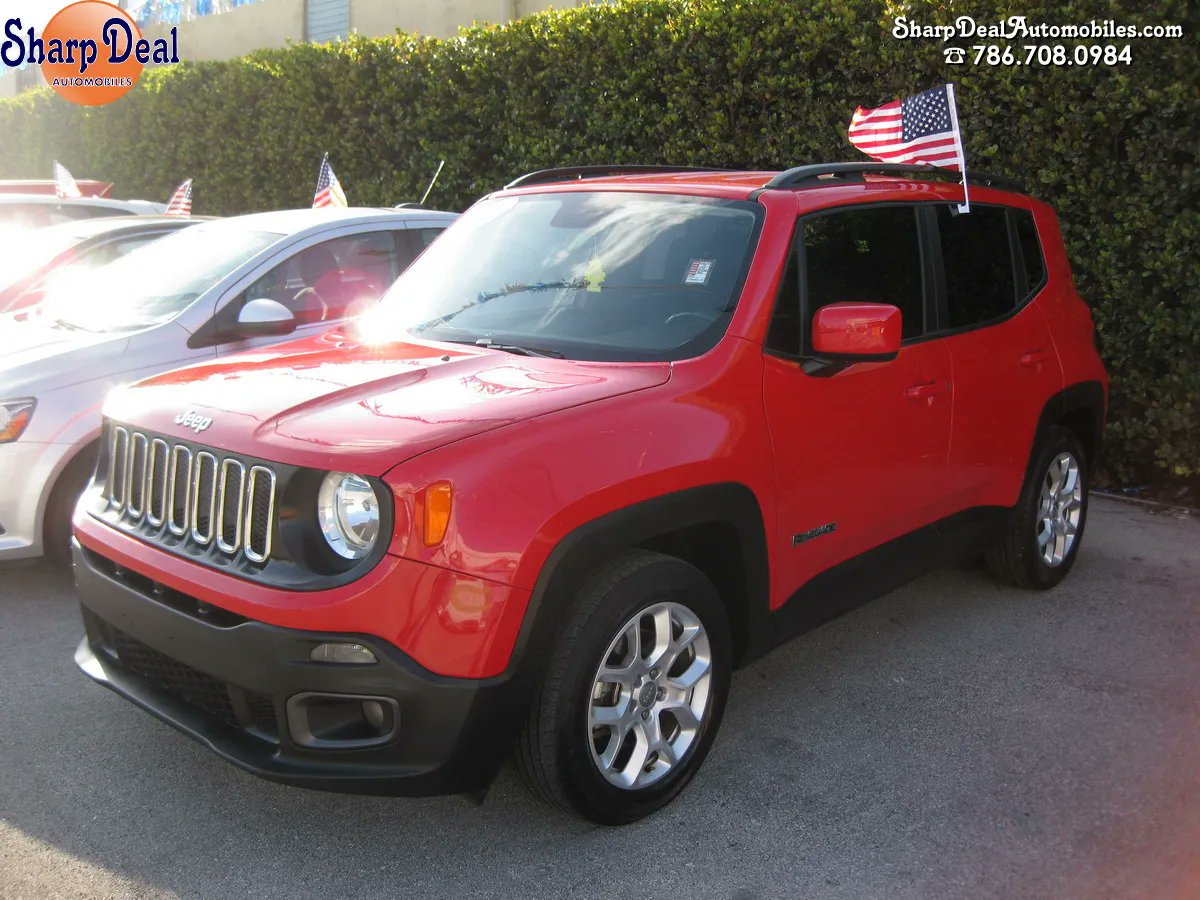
<point>36,355</point>
<point>336,402</point>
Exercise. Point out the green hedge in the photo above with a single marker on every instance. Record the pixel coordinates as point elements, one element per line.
<point>751,83</point>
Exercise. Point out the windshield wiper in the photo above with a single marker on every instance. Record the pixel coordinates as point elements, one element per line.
<point>517,349</point>
<point>507,291</point>
<point>528,288</point>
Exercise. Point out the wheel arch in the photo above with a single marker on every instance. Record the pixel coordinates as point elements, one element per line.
<point>718,528</point>
<point>90,445</point>
<point>1079,408</point>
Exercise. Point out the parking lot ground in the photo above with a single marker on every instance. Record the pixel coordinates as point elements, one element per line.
<point>954,739</point>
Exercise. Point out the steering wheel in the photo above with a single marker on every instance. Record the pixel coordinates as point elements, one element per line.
<point>305,296</point>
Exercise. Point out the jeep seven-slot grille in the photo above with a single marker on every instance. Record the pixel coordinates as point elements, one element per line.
<point>203,496</point>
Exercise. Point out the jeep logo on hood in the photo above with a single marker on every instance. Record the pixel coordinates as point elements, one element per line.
<point>193,420</point>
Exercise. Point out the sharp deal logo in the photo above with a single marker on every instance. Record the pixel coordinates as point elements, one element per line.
<point>91,52</point>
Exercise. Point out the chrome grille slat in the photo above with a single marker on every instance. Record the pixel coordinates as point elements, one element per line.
<point>156,482</point>
<point>259,530</point>
<point>224,520</point>
<point>118,469</point>
<point>135,478</point>
<point>206,498</point>
<point>177,524</point>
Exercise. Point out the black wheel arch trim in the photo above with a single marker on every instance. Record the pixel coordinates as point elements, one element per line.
<point>1087,397</point>
<point>638,525</point>
<point>1084,396</point>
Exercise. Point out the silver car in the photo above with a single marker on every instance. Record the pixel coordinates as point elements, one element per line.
<point>22,211</point>
<point>216,288</point>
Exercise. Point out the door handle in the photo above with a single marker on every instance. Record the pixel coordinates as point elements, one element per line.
<point>924,391</point>
<point>1032,358</point>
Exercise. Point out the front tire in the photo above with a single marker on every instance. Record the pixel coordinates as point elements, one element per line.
<point>1046,527</point>
<point>634,692</point>
<point>56,530</point>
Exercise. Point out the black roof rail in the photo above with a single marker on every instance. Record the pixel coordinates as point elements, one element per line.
<point>569,173</point>
<point>823,173</point>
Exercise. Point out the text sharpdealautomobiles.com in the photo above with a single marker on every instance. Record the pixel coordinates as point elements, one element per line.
<point>1020,27</point>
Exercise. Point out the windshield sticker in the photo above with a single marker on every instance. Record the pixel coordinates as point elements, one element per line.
<point>698,271</point>
<point>594,275</point>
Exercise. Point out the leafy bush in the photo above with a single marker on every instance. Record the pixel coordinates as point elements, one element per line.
<point>737,83</point>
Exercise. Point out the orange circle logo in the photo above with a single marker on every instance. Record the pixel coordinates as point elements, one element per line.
<point>92,52</point>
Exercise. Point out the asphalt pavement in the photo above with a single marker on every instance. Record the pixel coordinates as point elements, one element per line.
<point>954,739</point>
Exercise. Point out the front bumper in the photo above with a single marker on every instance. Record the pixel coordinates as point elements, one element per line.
<point>225,681</point>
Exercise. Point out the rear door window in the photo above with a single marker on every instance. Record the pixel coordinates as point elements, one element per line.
<point>977,259</point>
<point>426,236</point>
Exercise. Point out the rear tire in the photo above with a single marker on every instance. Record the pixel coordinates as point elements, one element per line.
<point>56,529</point>
<point>1046,527</point>
<point>633,693</point>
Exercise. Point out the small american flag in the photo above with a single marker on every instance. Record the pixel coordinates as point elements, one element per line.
<point>329,189</point>
<point>918,129</point>
<point>180,203</point>
<point>64,185</point>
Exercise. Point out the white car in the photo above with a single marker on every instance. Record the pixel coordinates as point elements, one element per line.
<point>23,211</point>
<point>216,288</point>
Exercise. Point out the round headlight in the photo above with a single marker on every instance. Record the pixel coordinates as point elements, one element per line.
<point>348,513</point>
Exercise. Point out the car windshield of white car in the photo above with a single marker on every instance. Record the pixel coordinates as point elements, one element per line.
<point>25,251</point>
<point>156,282</point>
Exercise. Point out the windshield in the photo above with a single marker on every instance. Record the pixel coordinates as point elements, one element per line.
<point>588,275</point>
<point>24,251</point>
<point>156,282</point>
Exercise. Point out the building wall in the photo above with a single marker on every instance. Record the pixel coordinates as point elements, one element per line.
<point>377,18</point>
<point>268,23</point>
<point>14,81</point>
<point>275,23</point>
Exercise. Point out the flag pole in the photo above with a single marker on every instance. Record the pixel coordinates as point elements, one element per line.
<point>432,181</point>
<point>965,206</point>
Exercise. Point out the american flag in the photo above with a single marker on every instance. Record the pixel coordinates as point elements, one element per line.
<point>918,129</point>
<point>64,185</point>
<point>329,189</point>
<point>180,203</point>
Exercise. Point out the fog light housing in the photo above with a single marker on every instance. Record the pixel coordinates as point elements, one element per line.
<point>344,654</point>
<point>342,721</point>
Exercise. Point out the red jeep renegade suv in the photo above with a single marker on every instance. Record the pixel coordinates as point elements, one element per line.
<point>617,432</point>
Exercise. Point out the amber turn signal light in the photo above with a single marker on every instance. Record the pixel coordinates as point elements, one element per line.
<point>438,499</point>
<point>14,417</point>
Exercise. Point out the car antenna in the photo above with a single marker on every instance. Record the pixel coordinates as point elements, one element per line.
<point>432,181</point>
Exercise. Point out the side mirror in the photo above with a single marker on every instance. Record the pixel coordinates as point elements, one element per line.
<point>857,332</point>
<point>265,318</point>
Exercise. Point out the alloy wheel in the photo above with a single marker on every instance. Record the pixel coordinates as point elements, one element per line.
<point>650,696</point>
<point>1060,509</point>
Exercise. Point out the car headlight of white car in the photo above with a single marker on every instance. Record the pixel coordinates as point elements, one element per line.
<point>14,418</point>
<point>348,513</point>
